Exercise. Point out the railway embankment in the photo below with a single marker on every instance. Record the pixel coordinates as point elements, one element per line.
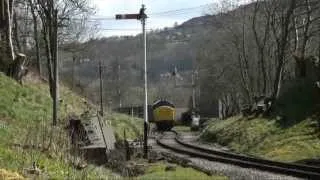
<point>29,144</point>
<point>266,138</point>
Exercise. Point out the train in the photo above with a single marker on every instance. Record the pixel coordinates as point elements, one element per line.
<point>163,115</point>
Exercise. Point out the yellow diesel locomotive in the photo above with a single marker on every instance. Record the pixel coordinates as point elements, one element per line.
<point>163,113</point>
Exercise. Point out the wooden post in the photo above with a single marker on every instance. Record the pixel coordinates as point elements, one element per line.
<point>101,88</point>
<point>73,71</point>
<point>101,124</point>
<point>126,145</point>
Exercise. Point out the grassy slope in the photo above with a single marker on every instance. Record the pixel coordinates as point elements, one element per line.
<point>25,118</point>
<point>294,137</point>
<point>133,126</point>
<point>267,138</point>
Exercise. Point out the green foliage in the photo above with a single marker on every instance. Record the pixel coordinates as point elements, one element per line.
<point>266,138</point>
<point>25,120</point>
<point>157,171</point>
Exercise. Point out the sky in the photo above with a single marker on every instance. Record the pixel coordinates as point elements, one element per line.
<point>187,9</point>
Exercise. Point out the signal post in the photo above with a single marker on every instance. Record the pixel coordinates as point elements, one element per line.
<point>142,17</point>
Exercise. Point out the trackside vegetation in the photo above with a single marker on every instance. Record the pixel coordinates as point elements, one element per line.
<point>290,133</point>
<point>266,138</point>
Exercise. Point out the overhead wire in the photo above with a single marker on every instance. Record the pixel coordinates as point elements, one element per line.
<point>182,10</point>
<point>163,13</point>
<point>122,29</point>
<point>175,12</point>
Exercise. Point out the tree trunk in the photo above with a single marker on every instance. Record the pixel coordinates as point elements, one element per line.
<point>15,32</point>
<point>8,14</point>
<point>278,82</point>
<point>49,17</point>
<point>261,44</point>
<point>282,42</point>
<point>49,61</point>
<point>35,35</point>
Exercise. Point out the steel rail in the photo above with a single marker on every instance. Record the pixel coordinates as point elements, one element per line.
<point>309,172</point>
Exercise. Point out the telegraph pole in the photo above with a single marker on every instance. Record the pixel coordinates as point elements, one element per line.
<point>193,84</point>
<point>142,17</point>
<point>73,70</point>
<point>119,83</point>
<point>101,88</point>
<point>55,67</point>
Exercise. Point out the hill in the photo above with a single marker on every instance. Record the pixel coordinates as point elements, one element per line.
<point>121,57</point>
<point>179,47</point>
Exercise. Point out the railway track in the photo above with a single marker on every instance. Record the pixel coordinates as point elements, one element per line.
<point>179,146</point>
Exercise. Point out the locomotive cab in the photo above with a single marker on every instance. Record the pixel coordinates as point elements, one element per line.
<point>163,115</point>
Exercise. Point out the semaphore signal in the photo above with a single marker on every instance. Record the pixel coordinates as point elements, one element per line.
<point>142,17</point>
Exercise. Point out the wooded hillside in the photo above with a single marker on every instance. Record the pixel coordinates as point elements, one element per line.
<point>237,55</point>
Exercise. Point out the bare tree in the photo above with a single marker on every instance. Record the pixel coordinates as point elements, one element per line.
<point>55,17</point>
<point>12,64</point>
<point>280,25</point>
<point>261,42</point>
<point>34,11</point>
<point>305,27</point>
<point>6,30</point>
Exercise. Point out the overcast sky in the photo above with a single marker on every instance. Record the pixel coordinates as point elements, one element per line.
<point>108,8</point>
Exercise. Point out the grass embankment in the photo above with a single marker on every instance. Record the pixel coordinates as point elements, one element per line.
<point>267,138</point>
<point>26,134</point>
<point>293,133</point>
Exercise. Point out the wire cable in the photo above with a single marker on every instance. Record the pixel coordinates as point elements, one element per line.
<point>183,10</point>
<point>163,13</point>
<point>124,29</point>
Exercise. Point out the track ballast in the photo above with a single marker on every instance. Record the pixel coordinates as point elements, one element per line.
<point>298,170</point>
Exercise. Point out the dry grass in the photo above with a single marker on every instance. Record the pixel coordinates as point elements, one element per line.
<point>7,175</point>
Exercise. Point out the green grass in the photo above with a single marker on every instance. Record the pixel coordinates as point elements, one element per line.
<point>120,122</point>
<point>25,118</point>
<point>157,171</point>
<point>294,136</point>
<point>267,138</point>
